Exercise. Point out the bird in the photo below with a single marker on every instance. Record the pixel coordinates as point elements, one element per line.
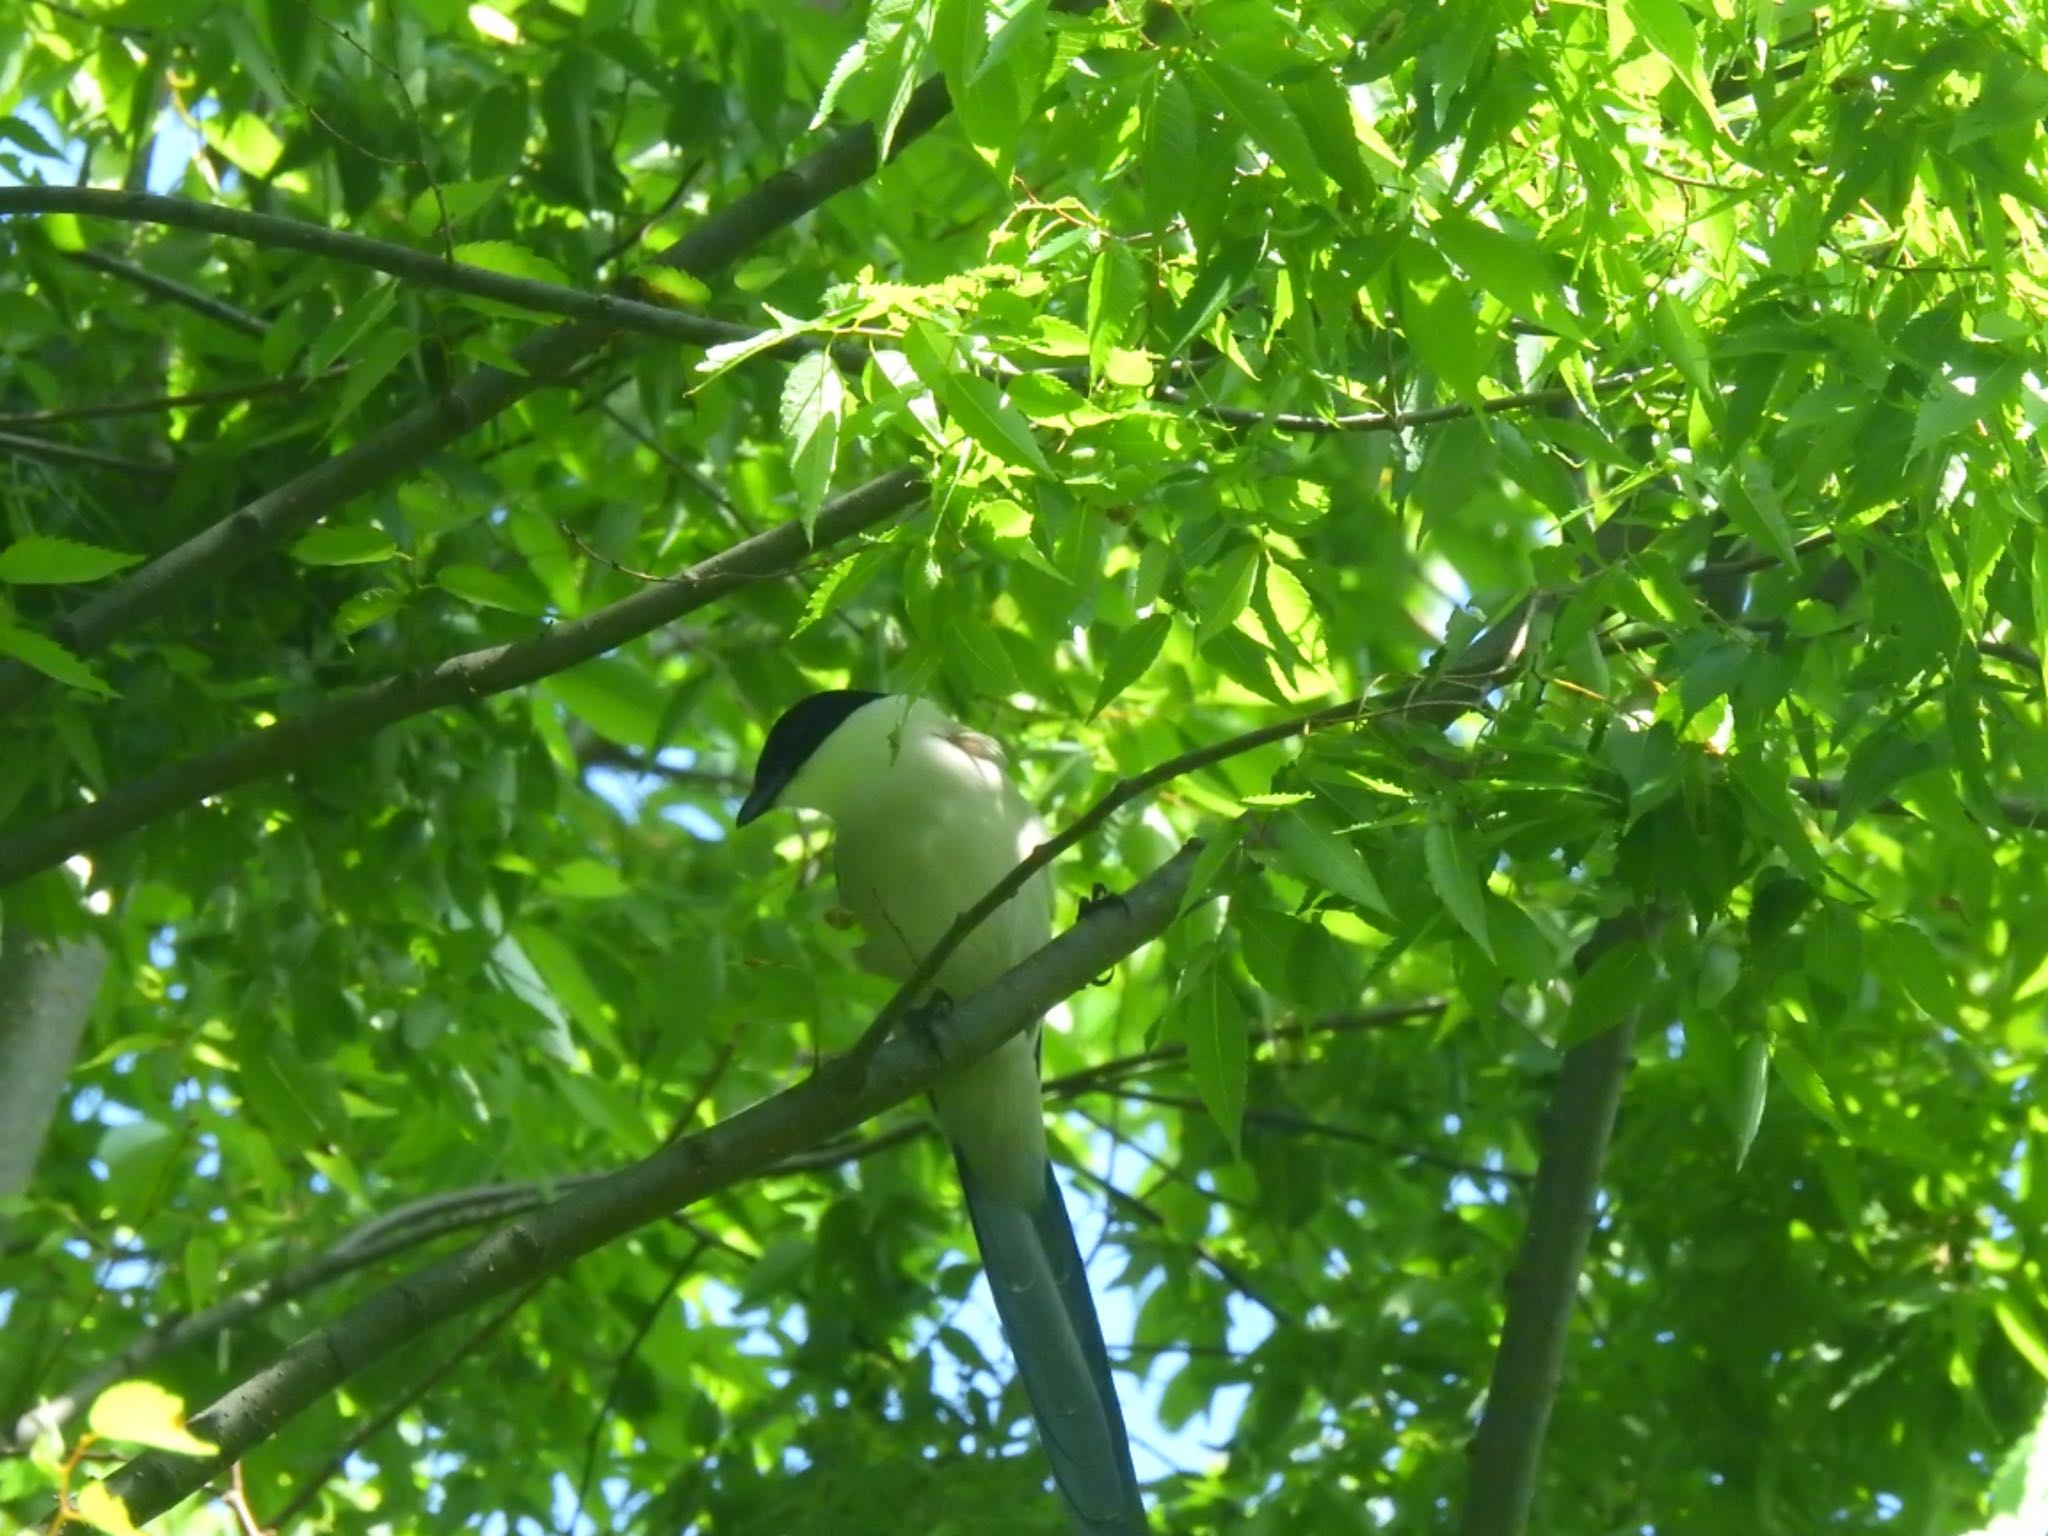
<point>926,820</point>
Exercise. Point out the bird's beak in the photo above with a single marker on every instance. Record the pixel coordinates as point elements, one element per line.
<point>760,798</point>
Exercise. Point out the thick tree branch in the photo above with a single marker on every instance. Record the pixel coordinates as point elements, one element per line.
<point>299,739</point>
<point>46,996</point>
<point>378,1422</point>
<point>830,1103</point>
<point>402,445</point>
<point>421,1221</point>
<point>1529,1364</point>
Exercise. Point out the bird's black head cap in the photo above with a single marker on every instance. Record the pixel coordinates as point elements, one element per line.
<point>792,740</point>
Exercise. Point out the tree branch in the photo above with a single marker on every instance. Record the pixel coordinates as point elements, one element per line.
<point>36,447</point>
<point>295,741</point>
<point>1389,421</point>
<point>404,444</point>
<point>421,1221</point>
<point>227,395</point>
<point>425,267</point>
<point>1456,684</point>
<point>377,1423</point>
<point>1529,1364</point>
<point>830,1103</point>
<point>206,304</point>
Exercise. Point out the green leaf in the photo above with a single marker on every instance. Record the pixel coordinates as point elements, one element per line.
<point>492,589</point>
<point>350,544</point>
<point>1437,315</point>
<point>1132,653</point>
<point>813,414</point>
<point>1263,113</point>
<point>43,560</point>
<point>978,407</point>
<point>1226,590</point>
<point>509,260</point>
<point>1669,30</point>
<point>1323,856</point>
<point>51,659</point>
<point>354,322</point>
<point>1911,959</point>
<point>1116,292</point>
<point>366,608</point>
<point>1753,1078</point>
<point>2022,1332</point>
<point>142,1413</point>
<point>1451,872</point>
<point>1610,992</point>
<point>1678,335</point>
<point>1169,149</point>
<point>618,700</point>
<point>1207,1018</point>
<point>369,368</point>
<point>1513,269</point>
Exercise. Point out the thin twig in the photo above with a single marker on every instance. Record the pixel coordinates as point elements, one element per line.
<point>1365,709</point>
<point>646,1324</point>
<point>739,1147</point>
<point>378,1423</point>
<point>178,293</point>
<point>461,679</point>
<point>1228,1272</point>
<point>36,447</point>
<point>224,396</point>
<point>1389,421</point>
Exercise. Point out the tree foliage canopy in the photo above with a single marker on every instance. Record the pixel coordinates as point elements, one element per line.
<point>438,439</point>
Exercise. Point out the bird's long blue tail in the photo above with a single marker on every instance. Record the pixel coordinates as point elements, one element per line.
<point>1041,1292</point>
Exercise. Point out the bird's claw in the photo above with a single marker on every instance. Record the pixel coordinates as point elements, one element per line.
<point>922,1021</point>
<point>1097,898</point>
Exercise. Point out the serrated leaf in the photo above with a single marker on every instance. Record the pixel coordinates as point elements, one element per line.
<point>50,659</point>
<point>1132,653</point>
<point>369,368</point>
<point>1436,314</point>
<point>1226,591</point>
<point>345,329</point>
<point>620,701</point>
<point>1913,961</point>
<point>1610,992</point>
<point>1679,337</point>
<point>813,413</point>
<point>1324,856</point>
<point>1116,289</point>
<point>844,70</point>
<point>44,560</point>
<point>1451,873</point>
<point>351,544</point>
<point>979,409</point>
<point>142,1413</point>
<point>1264,115</point>
<point>1206,1016</point>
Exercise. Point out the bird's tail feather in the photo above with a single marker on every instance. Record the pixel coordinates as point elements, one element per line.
<point>1041,1293</point>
